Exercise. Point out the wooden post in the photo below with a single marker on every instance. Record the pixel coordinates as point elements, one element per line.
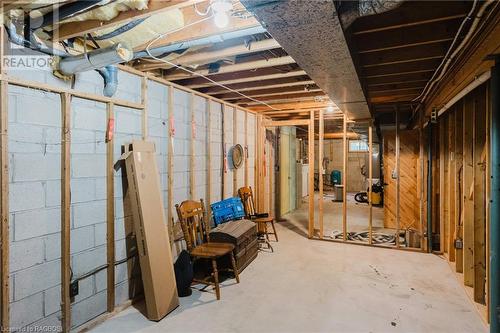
<point>370,175</point>
<point>170,164</point>
<point>311,175</point>
<point>459,263</point>
<point>246,148</point>
<point>4,204</point>
<point>344,178</point>
<point>442,177</point>
<point>191,153</point>
<point>110,210</point>
<point>235,138</point>
<point>398,188</point>
<point>320,169</point>
<point>4,191</point>
<point>209,158</point>
<point>224,158</point>
<point>144,100</point>
<point>422,178</point>
<point>451,186</point>
<point>468,202</point>
<point>65,213</point>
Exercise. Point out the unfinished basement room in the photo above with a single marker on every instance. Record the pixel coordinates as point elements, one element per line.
<point>250,166</point>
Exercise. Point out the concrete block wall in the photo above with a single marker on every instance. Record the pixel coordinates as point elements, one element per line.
<point>240,139</point>
<point>252,131</point>
<point>228,143</point>
<point>35,153</point>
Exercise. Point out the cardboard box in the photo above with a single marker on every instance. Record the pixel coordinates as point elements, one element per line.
<point>153,245</point>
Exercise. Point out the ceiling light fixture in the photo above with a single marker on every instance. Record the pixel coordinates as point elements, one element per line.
<point>330,109</point>
<point>221,9</point>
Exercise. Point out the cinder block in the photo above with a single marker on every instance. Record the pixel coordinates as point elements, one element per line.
<point>82,141</point>
<point>53,193</point>
<point>86,288</point>
<point>89,117</point>
<point>86,261</point>
<point>52,246</point>
<point>181,163</point>
<point>52,140</point>
<point>88,309</point>
<point>12,106</point>
<point>82,190</point>
<point>25,138</point>
<point>52,300</point>
<point>157,91</point>
<point>53,321</point>
<point>129,87</point>
<point>181,147</point>
<point>100,142</point>
<point>89,213</point>
<point>181,97</point>
<point>121,273</point>
<point>26,253</point>
<point>39,110</point>
<point>36,223</point>
<point>182,131</point>
<point>37,278</point>
<point>181,179</point>
<point>26,195</point>
<point>88,165</point>
<point>155,107</point>
<point>120,249</point>
<point>33,167</point>
<point>100,234</point>
<point>82,239</point>
<point>26,311</point>
<point>122,292</point>
<point>90,82</point>
<point>100,189</point>
<point>128,121</point>
<point>157,127</point>
<point>101,280</point>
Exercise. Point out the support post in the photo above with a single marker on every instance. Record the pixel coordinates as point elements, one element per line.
<point>430,143</point>
<point>344,178</point>
<point>422,176</point>
<point>144,101</point>
<point>398,187</point>
<point>320,169</point>
<point>235,139</point>
<point>192,147</point>
<point>209,158</point>
<point>246,148</point>
<point>370,176</point>
<point>4,204</point>
<point>65,213</point>
<point>110,209</point>
<point>494,230</point>
<point>311,174</point>
<point>170,164</point>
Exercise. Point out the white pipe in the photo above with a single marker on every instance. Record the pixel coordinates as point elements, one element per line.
<point>473,85</point>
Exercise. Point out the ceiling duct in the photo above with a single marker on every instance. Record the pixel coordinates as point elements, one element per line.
<point>349,11</point>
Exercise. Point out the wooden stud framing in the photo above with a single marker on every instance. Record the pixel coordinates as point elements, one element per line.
<point>422,181</point>
<point>459,263</point>
<point>4,205</point>
<point>170,164</point>
<point>224,158</point>
<point>479,153</point>
<point>370,181</point>
<point>110,213</point>
<point>144,101</point>
<point>246,149</point>
<point>344,178</point>
<point>451,187</point>
<point>468,202</point>
<point>311,175</point>
<point>65,213</point>
<point>442,158</point>
<point>398,187</point>
<point>209,158</point>
<point>320,169</point>
<point>192,148</point>
<point>235,139</point>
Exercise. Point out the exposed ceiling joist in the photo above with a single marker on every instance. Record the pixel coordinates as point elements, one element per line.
<point>203,28</point>
<point>204,57</point>
<point>285,100</point>
<point>292,96</point>
<point>274,92</point>
<point>292,106</point>
<point>75,29</point>
<point>251,79</point>
<point>236,67</point>
<point>262,87</point>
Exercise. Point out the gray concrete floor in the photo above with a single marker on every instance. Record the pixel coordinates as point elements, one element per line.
<point>319,286</point>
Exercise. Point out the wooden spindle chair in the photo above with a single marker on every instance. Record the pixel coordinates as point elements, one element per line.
<point>262,219</point>
<point>196,229</point>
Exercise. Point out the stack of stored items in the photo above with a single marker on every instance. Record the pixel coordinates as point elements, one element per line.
<point>243,235</point>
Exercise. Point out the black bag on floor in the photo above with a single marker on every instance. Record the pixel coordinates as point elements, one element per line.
<point>183,268</point>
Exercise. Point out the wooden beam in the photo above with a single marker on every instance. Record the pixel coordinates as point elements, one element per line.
<point>144,101</point>
<point>170,164</point>
<point>451,186</point>
<point>458,220</point>
<point>398,179</point>
<point>370,181</point>
<point>235,139</point>
<point>320,169</point>
<point>467,181</point>
<point>65,213</point>
<point>312,94</point>
<point>279,123</point>
<point>214,54</point>
<point>344,178</point>
<point>202,29</point>
<point>291,106</point>
<point>265,90</point>
<point>311,175</point>
<point>110,208</point>
<point>192,148</point>
<point>75,29</point>
<point>256,80</point>
<point>285,60</point>
<point>4,205</point>
<point>209,157</point>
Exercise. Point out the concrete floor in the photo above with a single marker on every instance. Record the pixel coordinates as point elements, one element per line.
<point>319,286</point>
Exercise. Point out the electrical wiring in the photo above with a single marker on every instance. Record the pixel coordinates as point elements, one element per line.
<point>148,51</point>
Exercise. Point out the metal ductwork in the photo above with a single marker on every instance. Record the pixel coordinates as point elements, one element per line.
<point>348,11</point>
<point>96,59</point>
<point>110,77</point>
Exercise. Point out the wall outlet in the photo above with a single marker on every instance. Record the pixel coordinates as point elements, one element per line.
<point>459,244</point>
<point>73,289</point>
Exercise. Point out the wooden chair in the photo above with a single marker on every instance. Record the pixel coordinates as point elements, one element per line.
<point>262,219</point>
<point>196,229</point>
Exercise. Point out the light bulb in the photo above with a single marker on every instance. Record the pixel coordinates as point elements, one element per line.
<point>221,19</point>
<point>329,109</point>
